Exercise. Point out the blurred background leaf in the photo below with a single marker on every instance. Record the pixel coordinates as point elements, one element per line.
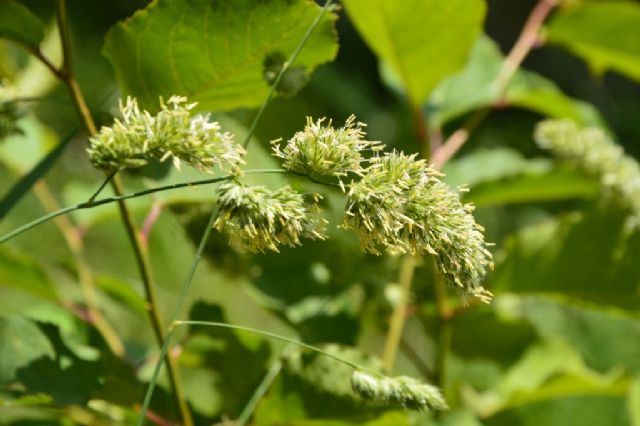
<point>605,34</point>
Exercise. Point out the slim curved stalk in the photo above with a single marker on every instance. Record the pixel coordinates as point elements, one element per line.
<point>263,387</point>
<point>523,45</point>
<point>184,290</point>
<point>445,330</point>
<point>108,200</point>
<point>276,337</point>
<point>396,326</point>
<point>283,70</point>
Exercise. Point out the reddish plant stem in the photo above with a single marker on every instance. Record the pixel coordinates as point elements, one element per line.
<point>526,41</point>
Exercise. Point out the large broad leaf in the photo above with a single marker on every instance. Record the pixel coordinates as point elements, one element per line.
<point>17,23</point>
<point>474,88</point>
<point>22,343</point>
<point>586,410</point>
<point>214,52</point>
<point>605,34</point>
<point>589,256</point>
<point>503,176</point>
<point>21,273</point>
<point>607,338</point>
<point>547,371</point>
<point>553,184</point>
<point>422,40</point>
<point>219,358</point>
<point>71,379</point>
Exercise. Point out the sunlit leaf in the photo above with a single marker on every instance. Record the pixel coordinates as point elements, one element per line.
<point>604,33</point>
<point>22,273</point>
<point>503,176</point>
<point>22,343</point>
<point>584,410</point>
<point>423,41</point>
<point>605,337</point>
<point>588,256</point>
<point>554,184</point>
<point>546,371</point>
<point>214,52</point>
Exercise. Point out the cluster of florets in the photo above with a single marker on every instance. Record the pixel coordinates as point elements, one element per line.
<point>401,205</point>
<point>174,133</point>
<point>404,391</point>
<point>321,149</point>
<point>596,154</point>
<point>394,201</point>
<point>259,219</point>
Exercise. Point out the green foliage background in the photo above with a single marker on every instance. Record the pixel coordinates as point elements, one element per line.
<point>560,343</point>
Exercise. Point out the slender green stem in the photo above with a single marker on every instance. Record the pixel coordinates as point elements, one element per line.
<point>284,69</point>
<point>262,388</point>
<point>95,203</point>
<point>184,290</point>
<point>65,36</point>
<point>444,330</point>
<point>207,232</point>
<point>277,337</point>
<point>396,326</point>
<point>37,53</point>
<point>104,183</point>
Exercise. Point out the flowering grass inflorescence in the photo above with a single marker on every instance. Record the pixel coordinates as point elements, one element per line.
<point>404,391</point>
<point>259,219</point>
<point>395,202</point>
<point>323,150</point>
<point>401,205</point>
<point>172,133</point>
<point>596,154</point>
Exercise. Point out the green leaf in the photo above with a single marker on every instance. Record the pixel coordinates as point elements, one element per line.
<point>502,175</point>
<point>589,256</point>
<point>20,188</point>
<point>286,405</point>
<point>473,88</point>
<point>27,400</point>
<point>554,184</point>
<point>586,410</point>
<point>423,41</point>
<point>549,370</point>
<point>326,375</point>
<point>605,337</point>
<point>20,272</point>
<point>22,343</point>
<point>213,52</point>
<point>71,380</point>
<point>484,165</point>
<point>233,362</point>
<point>17,23</point>
<point>605,34</point>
